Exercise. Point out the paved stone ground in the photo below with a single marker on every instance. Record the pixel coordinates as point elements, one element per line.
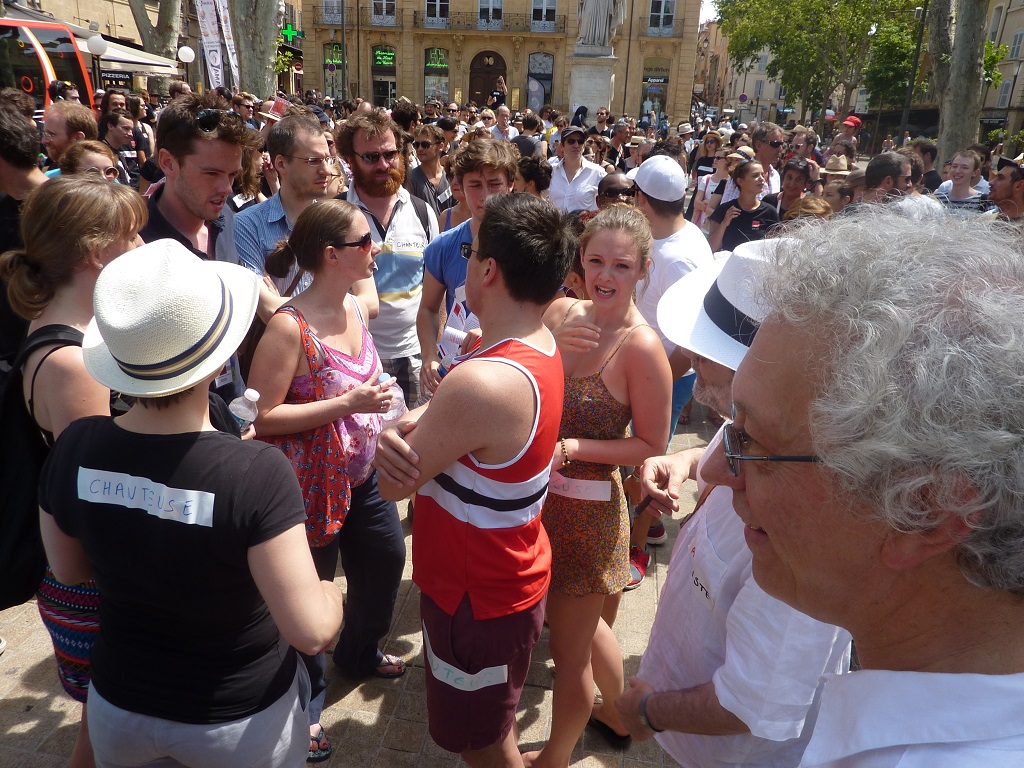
<point>377,724</point>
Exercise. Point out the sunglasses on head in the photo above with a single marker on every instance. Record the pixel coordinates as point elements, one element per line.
<point>363,243</point>
<point>209,119</point>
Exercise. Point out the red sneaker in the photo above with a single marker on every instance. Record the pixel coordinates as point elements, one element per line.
<point>639,559</point>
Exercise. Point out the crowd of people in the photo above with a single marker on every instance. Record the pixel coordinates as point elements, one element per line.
<point>546,297</point>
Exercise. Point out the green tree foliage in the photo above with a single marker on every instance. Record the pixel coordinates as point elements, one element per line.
<point>817,46</point>
<point>892,56</point>
<point>283,60</point>
<point>993,55</point>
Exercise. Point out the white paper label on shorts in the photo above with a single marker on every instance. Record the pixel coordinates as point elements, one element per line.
<point>584,490</point>
<point>178,504</point>
<point>456,678</point>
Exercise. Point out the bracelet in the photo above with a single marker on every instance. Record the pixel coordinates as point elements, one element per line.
<point>643,714</point>
<point>565,454</point>
<point>817,181</point>
<point>636,472</point>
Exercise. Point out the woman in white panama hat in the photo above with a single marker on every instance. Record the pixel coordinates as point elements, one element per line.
<point>72,227</point>
<point>194,536</point>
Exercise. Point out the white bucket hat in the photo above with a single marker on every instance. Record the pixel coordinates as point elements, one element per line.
<point>166,320</point>
<point>713,311</point>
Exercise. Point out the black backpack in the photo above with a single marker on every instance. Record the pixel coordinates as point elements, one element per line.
<point>22,453</point>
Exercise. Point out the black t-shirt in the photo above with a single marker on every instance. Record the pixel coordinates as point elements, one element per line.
<point>12,327</point>
<point>167,522</point>
<point>749,225</point>
<point>932,180</point>
<point>773,201</point>
<point>527,145</point>
<point>595,131</point>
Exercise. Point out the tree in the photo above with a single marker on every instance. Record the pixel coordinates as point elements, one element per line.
<point>160,38</point>
<point>817,46</point>
<point>257,27</point>
<point>888,71</point>
<point>956,42</point>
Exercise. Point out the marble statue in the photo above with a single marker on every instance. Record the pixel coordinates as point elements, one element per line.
<point>599,21</point>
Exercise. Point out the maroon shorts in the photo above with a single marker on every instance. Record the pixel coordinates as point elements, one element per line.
<point>475,672</point>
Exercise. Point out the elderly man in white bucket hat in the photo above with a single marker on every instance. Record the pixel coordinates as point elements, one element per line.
<point>196,538</point>
<point>730,676</point>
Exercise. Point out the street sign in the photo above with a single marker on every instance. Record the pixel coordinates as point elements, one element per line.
<point>743,98</point>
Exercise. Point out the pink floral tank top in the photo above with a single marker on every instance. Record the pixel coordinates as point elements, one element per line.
<point>342,373</point>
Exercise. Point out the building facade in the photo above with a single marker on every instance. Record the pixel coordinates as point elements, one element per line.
<point>1003,105</point>
<point>455,50</point>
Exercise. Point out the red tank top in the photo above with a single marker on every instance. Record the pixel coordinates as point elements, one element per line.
<point>477,527</point>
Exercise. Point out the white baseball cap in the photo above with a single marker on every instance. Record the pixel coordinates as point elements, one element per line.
<point>662,178</point>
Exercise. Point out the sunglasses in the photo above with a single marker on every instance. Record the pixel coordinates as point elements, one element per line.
<point>721,157</point>
<point>619,192</point>
<point>572,140</point>
<point>466,249</point>
<point>776,144</point>
<point>423,144</point>
<point>363,243</point>
<point>488,118</point>
<point>372,158</point>
<point>209,119</point>
<point>451,110</point>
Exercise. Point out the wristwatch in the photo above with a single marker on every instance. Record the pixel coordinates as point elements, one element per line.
<point>643,713</point>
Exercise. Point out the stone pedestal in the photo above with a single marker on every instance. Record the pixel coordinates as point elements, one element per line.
<point>592,79</point>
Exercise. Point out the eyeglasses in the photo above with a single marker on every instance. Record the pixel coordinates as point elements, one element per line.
<point>466,249</point>
<point>110,172</point>
<point>362,243</point>
<point>451,110</point>
<point>619,192</point>
<point>734,440</point>
<point>314,161</point>
<point>424,144</point>
<point>776,144</point>
<point>372,158</point>
<point>209,119</point>
<point>572,140</point>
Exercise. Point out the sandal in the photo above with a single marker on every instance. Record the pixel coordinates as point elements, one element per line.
<point>386,661</point>
<point>318,752</point>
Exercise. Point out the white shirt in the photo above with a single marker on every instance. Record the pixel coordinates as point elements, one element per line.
<point>399,274</point>
<point>880,719</point>
<point>772,184</point>
<point>497,133</point>
<point>671,258</point>
<point>578,193</point>
<point>947,186</point>
<point>714,624</point>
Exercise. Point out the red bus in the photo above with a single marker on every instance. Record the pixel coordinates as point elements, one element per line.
<point>35,53</point>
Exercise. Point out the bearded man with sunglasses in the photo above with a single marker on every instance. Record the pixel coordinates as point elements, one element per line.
<point>574,180</point>
<point>402,225</point>
<point>769,142</point>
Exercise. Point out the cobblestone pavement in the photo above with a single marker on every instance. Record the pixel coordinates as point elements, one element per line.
<point>377,724</point>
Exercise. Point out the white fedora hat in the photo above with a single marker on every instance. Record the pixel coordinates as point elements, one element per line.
<point>166,320</point>
<point>714,310</point>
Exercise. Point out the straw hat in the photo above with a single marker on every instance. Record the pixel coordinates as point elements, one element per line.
<point>166,320</point>
<point>837,166</point>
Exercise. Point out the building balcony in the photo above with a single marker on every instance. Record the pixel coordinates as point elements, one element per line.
<point>661,27</point>
<point>505,22</point>
<point>330,14</point>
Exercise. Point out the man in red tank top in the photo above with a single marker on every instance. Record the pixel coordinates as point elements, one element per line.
<point>478,456</point>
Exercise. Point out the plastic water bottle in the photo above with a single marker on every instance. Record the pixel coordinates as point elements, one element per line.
<point>398,408</point>
<point>244,408</point>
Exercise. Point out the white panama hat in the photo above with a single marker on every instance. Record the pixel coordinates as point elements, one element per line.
<point>714,311</point>
<point>166,320</point>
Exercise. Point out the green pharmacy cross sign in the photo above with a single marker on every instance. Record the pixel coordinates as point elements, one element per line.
<point>289,33</point>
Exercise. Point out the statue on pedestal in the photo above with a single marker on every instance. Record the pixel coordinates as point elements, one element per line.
<point>599,21</point>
